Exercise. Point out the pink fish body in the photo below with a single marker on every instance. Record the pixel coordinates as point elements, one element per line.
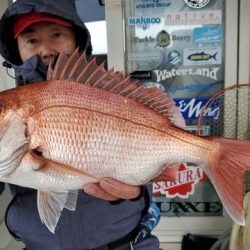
<point>84,123</point>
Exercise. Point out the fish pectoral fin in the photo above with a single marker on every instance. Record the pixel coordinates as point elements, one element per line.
<point>50,205</point>
<point>169,173</point>
<point>35,161</point>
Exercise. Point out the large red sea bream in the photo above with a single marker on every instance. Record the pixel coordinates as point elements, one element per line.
<point>84,123</point>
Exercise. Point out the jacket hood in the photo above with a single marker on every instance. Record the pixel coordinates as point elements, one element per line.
<point>64,9</point>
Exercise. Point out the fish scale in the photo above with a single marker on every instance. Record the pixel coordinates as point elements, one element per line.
<point>113,144</point>
<point>146,147</point>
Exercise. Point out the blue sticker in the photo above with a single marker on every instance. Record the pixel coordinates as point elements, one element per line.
<point>145,22</point>
<point>208,35</point>
<point>191,108</point>
<point>174,57</point>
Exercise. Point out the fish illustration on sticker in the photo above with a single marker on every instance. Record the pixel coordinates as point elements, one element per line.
<point>202,56</point>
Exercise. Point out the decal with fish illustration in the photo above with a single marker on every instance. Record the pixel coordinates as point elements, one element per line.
<point>205,56</point>
<point>85,123</point>
<point>201,56</point>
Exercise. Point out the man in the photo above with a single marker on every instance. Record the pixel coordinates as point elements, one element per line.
<point>32,34</point>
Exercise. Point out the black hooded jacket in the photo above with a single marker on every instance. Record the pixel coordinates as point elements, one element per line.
<point>95,222</point>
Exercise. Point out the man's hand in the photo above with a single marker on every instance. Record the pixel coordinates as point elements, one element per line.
<point>112,190</point>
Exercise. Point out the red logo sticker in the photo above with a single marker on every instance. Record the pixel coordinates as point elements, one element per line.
<point>184,186</point>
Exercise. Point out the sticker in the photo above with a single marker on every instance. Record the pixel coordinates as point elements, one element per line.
<point>141,74</point>
<point>205,130</point>
<point>153,4</point>
<point>188,208</point>
<point>145,22</point>
<point>165,74</point>
<point>194,17</point>
<point>174,57</point>
<point>183,186</point>
<point>154,84</point>
<point>179,38</point>
<point>194,88</point>
<point>191,108</point>
<point>197,4</point>
<point>144,56</point>
<point>145,61</point>
<point>202,56</point>
<point>146,39</point>
<point>163,39</point>
<point>208,35</point>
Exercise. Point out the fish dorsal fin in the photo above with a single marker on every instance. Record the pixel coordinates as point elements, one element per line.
<point>76,68</point>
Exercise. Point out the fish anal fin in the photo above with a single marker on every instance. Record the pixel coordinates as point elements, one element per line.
<point>50,206</point>
<point>169,173</point>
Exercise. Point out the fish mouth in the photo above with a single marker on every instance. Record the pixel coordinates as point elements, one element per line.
<point>9,164</point>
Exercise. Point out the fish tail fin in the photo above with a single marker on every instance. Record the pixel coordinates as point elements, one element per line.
<point>227,173</point>
<point>214,56</point>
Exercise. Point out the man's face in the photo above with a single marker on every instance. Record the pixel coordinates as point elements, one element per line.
<point>46,40</point>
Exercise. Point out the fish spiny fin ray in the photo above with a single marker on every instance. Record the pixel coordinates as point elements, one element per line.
<point>76,68</point>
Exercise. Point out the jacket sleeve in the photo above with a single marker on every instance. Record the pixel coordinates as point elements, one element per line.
<point>1,187</point>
